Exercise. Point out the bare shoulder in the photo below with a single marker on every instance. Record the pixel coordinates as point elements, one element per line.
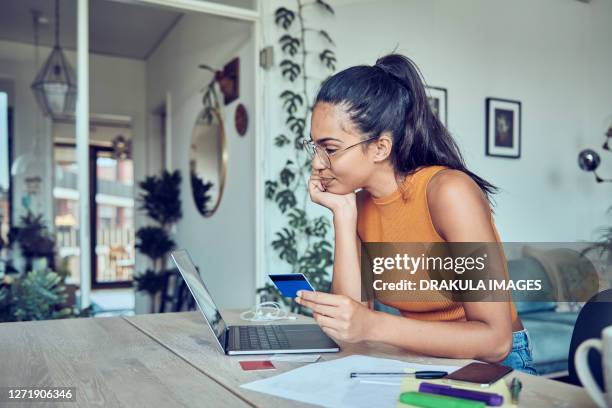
<point>449,186</point>
<point>459,209</point>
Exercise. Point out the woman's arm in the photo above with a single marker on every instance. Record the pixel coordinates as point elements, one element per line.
<point>484,336</point>
<point>460,213</point>
<point>346,279</point>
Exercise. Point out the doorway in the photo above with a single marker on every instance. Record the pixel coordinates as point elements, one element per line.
<point>111,204</point>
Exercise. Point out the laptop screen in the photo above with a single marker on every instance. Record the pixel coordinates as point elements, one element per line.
<point>201,295</point>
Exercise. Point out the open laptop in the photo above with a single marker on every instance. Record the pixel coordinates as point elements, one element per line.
<point>251,339</point>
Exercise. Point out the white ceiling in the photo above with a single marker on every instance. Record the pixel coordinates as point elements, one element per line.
<point>116,28</point>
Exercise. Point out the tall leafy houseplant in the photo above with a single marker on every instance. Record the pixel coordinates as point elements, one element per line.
<point>160,200</point>
<point>303,241</point>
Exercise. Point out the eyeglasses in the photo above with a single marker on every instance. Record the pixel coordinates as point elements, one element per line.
<point>314,149</point>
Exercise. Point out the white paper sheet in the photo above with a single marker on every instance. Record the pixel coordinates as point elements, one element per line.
<point>328,383</point>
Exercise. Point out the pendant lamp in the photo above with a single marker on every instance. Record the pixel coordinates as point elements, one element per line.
<point>55,84</point>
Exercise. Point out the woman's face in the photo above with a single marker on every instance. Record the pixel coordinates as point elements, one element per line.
<point>331,130</point>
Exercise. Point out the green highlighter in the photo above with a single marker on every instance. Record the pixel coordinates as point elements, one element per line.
<point>426,400</point>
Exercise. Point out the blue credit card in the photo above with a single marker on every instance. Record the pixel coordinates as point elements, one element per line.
<point>289,283</point>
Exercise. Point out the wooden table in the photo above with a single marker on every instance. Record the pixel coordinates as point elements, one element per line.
<point>171,359</point>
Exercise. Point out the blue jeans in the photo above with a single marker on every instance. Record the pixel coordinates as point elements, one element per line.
<point>520,357</point>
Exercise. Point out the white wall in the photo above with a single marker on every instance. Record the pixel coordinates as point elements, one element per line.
<point>222,245</point>
<point>598,84</point>
<point>552,55</point>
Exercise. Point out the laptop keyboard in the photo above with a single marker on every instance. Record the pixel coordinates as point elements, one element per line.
<point>262,338</point>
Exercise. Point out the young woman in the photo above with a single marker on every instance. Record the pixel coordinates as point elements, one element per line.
<point>373,129</point>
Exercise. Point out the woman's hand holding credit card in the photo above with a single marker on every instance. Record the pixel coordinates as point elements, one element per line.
<point>289,284</point>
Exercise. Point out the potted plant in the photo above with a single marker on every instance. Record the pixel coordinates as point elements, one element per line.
<point>160,200</point>
<point>34,240</point>
<point>38,292</point>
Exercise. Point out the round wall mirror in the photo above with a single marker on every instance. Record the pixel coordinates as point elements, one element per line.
<point>208,161</point>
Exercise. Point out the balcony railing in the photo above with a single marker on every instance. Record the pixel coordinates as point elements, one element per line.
<point>115,251</point>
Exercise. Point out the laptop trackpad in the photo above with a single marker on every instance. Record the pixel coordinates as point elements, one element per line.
<point>307,336</point>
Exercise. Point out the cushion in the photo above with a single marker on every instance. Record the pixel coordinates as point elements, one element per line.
<point>525,301</point>
<point>568,318</point>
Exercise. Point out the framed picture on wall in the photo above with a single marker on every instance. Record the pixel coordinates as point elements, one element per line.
<point>437,98</point>
<point>503,128</point>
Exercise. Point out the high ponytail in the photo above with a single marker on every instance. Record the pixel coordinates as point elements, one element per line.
<point>390,96</point>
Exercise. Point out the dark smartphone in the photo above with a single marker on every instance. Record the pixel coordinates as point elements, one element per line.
<point>482,374</point>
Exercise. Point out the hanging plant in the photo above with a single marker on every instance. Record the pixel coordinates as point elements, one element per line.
<point>302,242</point>
<point>210,98</point>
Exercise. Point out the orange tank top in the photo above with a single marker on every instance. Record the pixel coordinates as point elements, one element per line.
<point>393,219</point>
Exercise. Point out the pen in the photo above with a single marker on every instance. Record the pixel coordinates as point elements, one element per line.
<point>428,375</point>
<point>493,400</point>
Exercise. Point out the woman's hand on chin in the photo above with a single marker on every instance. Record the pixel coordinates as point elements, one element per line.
<point>339,204</point>
<point>339,316</point>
